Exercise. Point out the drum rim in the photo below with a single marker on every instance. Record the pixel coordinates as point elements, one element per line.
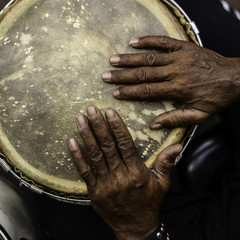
<point>3,234</point>
<point>180,14</point>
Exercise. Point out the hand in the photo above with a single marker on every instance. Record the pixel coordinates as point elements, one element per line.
<point>202,80</point>
<point>125,193</point>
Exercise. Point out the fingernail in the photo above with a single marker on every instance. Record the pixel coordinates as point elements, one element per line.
<point>156,126</point>
<point>91,111</point>
<point>115,59</point>
<point>110,113</point>
<point>134,42</point>
<point>73,145</point>
<point>116,93</point>
<point>81,121</point>
<point>106,76</point>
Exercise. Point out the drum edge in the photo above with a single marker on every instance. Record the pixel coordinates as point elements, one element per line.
<point>193,35</point>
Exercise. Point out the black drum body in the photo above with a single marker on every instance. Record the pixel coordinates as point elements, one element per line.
<point>16,219</point>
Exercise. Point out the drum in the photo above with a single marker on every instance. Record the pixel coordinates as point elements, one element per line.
<point>16,219</point>
<point>52,55</point>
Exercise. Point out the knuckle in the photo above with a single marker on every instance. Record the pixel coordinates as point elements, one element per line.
<point>116,125</point>
<point>150,59</point>
<point>95,156</point>
<point>84,173</point>
<point>128,147</point>
<point>146,74</point>
<point>165,167</point>
<point>124,142</point>
<point>108,147</point>
<point>145,91</point>
<point>141,74</point>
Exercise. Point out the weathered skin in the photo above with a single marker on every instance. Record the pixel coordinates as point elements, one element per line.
<point>122,189</point>
<point>204,81</point>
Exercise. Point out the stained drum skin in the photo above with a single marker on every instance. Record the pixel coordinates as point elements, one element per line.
<point>52,55</point>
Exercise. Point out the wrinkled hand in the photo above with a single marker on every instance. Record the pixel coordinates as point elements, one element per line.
<point>125,193</point>
<point>202,80</point>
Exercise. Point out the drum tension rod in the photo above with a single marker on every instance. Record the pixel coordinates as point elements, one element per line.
<point>4,165</point>
<point>194,27</point>
<point>31,187</point>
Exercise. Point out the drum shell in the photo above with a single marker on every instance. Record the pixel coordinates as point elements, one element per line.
<point>16,217</point>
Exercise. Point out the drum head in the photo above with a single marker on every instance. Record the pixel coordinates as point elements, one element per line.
<point>52,55</point>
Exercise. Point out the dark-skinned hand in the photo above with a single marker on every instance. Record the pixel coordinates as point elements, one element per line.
<point>202,80</point>
<point>125,193</point>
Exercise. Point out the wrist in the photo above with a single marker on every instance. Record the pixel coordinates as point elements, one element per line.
<point>159,234</point>
<point>136,233</point>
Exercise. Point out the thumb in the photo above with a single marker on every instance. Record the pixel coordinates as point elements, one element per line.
<point>178,118</point>
<point>164,164</point>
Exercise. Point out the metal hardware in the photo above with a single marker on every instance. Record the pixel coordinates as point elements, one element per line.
<point>12,2</point>
<point>3,234</point>
<point>194,27</point>
<point>31,187</point>
<point>4,165</point>
<point>36,189</point>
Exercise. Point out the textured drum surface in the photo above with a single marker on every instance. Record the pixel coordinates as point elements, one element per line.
<point>52,55</point>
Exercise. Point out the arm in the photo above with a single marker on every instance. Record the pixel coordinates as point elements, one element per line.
<point>123,191</point>
<point>202,80</point>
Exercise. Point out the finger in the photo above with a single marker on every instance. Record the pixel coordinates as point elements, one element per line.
<point>160,42</point>
<point>91,144</point>
<point>104,138</point>
<point>150,91</point>
<point>141,59</point>
<point>83,168</point>
<point>123,139</point>
<point>178,118</point>
<point>164,164</point>
<point>139,75</point>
